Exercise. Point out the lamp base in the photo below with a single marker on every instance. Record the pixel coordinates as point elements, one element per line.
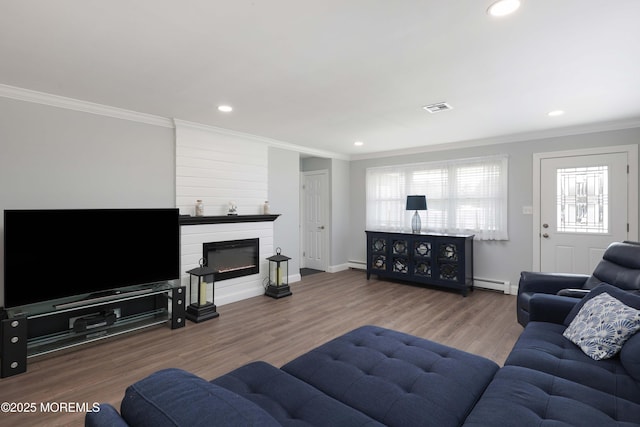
<point>199,313</point>
<point>274,291</point>
<point>416,223</point>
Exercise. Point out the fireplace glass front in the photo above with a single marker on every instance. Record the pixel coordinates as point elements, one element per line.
<point>232,258</point>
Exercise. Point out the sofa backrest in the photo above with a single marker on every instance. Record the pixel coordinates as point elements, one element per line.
<point>620,267</point>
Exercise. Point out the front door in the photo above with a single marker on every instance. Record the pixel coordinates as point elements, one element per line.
<point>583,208</point>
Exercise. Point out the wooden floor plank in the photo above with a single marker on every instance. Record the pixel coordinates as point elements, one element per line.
<point>322,306</point>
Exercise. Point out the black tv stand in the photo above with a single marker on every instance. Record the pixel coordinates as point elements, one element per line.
<point>38,329</point>
<point>101,294</point>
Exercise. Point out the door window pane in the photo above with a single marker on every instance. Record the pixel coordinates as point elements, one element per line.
<point>583,200</point>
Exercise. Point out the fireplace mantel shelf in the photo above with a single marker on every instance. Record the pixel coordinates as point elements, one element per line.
<point>224,219</point>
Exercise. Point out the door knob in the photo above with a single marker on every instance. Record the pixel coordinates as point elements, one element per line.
<point>321,227</point>
<point>545,225</point>
<point>545,235</point>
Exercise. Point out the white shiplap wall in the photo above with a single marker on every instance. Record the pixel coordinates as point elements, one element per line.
<point>218,167</point>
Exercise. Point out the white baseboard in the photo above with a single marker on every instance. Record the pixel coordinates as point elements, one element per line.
<point>238,296</point>
<point>227,296</point>
<point>513,289</point>
<point>295,278</point>
<point>359,265</point>
<point>504,286</point>
<point>337,268</point>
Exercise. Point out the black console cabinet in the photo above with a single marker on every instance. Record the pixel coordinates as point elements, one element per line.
<point>42,328</point>
<point>444,260</point>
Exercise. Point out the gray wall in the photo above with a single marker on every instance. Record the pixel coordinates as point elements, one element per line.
<point>310,164</point>
<point>57,158</point>
<point>340,195</point>
<point>502,260</point>
<point>284,193</point>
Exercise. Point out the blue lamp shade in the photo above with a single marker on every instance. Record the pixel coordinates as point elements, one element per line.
<point>416,203</point>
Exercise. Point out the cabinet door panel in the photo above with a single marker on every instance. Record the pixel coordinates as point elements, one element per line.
<point>400,247</point>
<point>378,262</point>
<point>421,248</point>
<point>449,251</point>
<point>422,268</point>
<point>400,265</point>
<point>378,244</point>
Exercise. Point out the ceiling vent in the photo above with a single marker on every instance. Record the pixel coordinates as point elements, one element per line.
<point>436,108</point>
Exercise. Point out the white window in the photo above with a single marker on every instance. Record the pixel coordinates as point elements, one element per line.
<point>463,196</point>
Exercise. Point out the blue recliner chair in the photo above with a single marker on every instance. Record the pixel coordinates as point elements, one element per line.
<point>620,267</point>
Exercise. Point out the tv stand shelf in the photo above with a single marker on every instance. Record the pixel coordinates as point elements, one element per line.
<point>39,329</point>
<point>63,340</point>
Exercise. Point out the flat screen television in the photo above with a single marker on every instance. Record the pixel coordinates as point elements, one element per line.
<point>53,254</point>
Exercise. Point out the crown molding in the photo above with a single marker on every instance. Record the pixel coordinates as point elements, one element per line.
<point>269,141</point>
<point>506,139</point>
<point>29,95</point>
<point>43,98</point>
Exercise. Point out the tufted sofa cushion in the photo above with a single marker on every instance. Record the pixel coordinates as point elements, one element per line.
<point>395,378</point>
<point>542,347</point>
<point>289,400</point>
<point>524,397</point>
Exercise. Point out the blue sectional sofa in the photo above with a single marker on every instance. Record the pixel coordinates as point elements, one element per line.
<point>373,376</point>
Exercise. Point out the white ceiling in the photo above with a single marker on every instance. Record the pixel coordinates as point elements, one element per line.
<point>325,73</point>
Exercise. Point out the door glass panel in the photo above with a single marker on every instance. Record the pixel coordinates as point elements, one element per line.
<point>583,200</point>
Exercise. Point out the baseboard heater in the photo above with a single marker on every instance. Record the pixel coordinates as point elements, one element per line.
<point>478,282</point>
<point>493,284</point>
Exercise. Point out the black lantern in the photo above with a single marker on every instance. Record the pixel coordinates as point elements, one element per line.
<point>278,286</point>
<point>202,309</point>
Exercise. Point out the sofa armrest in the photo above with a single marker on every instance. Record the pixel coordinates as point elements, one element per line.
<point>573,293</point>
<point>550,308</point>
<point>549,283</point>
<point>107,416</point>
<point>177,397</point>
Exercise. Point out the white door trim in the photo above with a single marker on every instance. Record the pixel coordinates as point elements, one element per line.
<point>632,189</point>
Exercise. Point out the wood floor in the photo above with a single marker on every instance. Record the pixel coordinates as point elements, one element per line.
<point>322,307</point>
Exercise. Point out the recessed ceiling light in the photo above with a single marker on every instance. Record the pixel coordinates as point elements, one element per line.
<point>358,143</point>
<point>503,7</point>
<point>555,113</point>
<point>225,108</point>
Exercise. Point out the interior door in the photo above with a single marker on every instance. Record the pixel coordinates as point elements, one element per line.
<point>315,211</point>
<point>583,208</point>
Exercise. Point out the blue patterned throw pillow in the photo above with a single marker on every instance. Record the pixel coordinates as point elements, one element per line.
<point>602,326</point>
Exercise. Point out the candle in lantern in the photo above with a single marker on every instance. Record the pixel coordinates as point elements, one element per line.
<point>202,294</point>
